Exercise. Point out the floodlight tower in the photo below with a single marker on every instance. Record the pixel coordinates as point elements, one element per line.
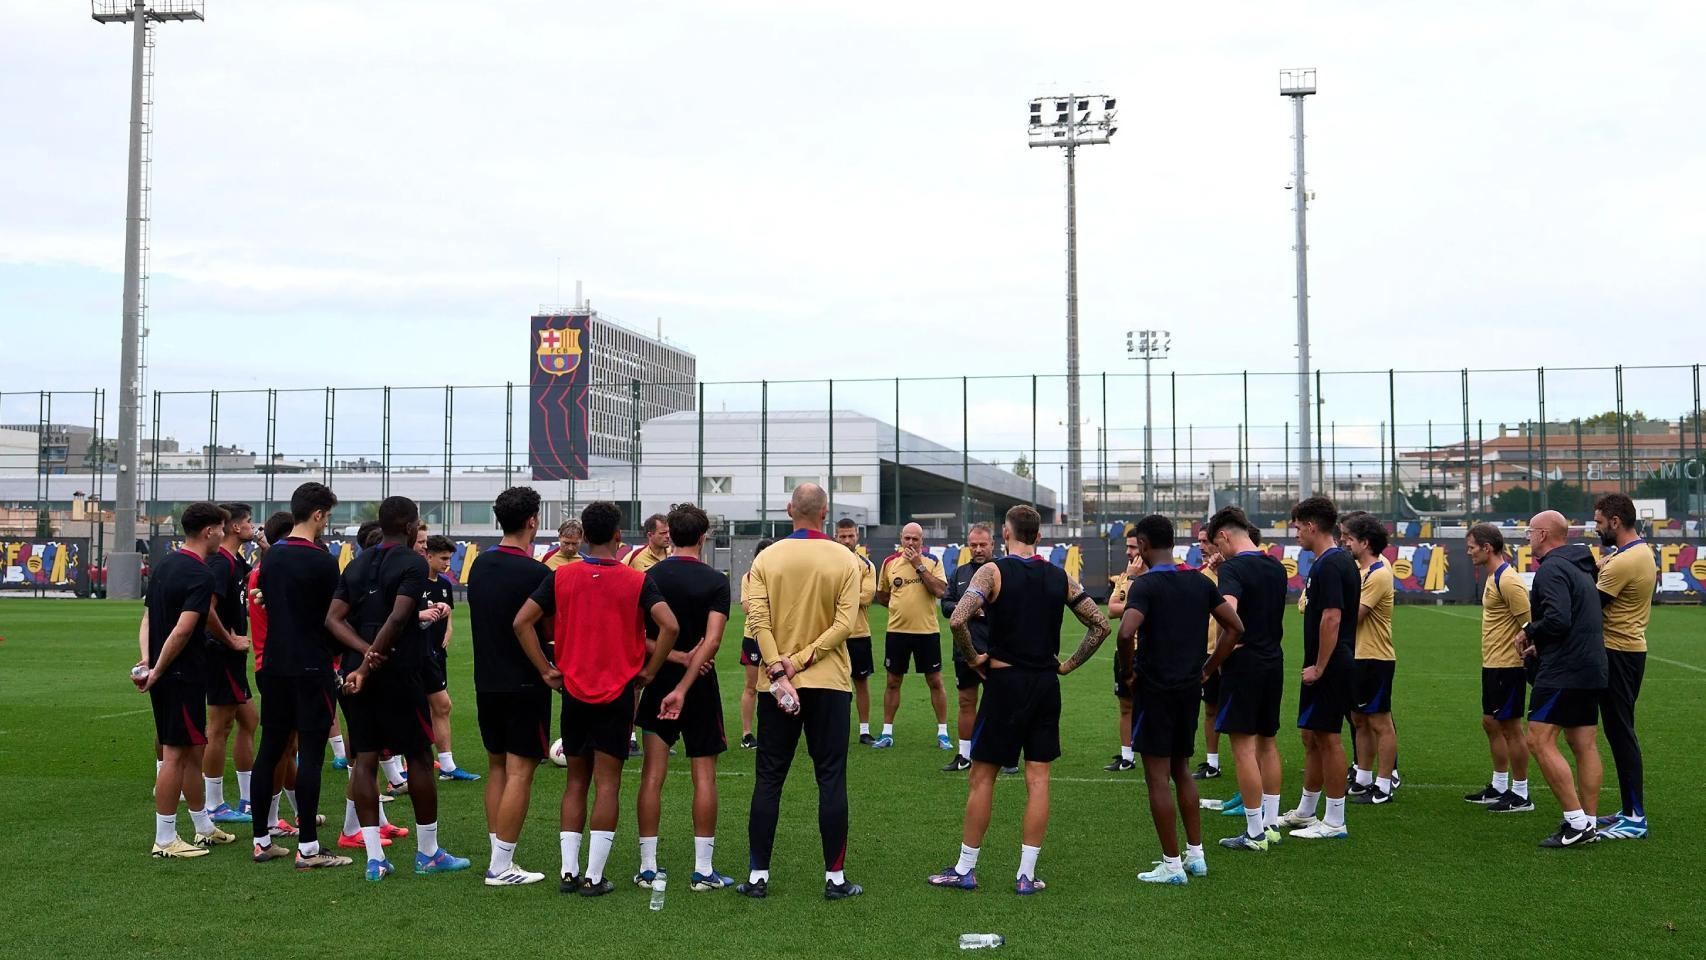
<point>124,566</point>
<point>1297,84</point>
<point>1070,122</point>
<point>1148,346</point>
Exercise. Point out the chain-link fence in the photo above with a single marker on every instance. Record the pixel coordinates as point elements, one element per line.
<point>1429,445</point>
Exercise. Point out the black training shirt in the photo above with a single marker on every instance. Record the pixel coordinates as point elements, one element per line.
<point>371,585</point>
<point>179,584</point>
<point>296,581</point>
<point>1334,584</point>
<point>432,634</point>
<point>1258,582</point>
<point>693,592</point>
<point>230,582</point>
<point>499,582</point>
<point>1176,605</point>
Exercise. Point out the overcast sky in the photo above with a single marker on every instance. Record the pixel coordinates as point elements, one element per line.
<point>381,192</point>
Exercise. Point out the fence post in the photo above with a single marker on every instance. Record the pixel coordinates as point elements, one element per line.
<point>154,476</point>
<point>897,520</point>
<point>44,413</point>
<point>449,453</point>
<point>1699,481</point>
<point>97,485</point>
<point>509,434</point>
<point>764,458</point>
<point>965,452</point>
<point>1545,474</point>
<point>1622,433</point>
<point>1285,463</point>
<point>1102,454</point>
<point>212,444</point>
<point>1244,450</point>
<point>831,477</point>
<point>699,480</point>
<point>1033,465</point>
<point>271,477</point>
<point>1320,459</point>
<point>634,446</point>
<point>385,443</point>
<point>1466,488</point>
<point>1392,420</point>
<point>1173,412</point>
<point>329,430</point>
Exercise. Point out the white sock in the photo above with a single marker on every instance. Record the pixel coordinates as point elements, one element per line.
<point>648,854</point>
<point>941,729</point>
<point>446,762</point>
<point>1501,781</point>
<point>1170,863</point>
<point>1364,777</point>
<point>1307,806</point>
<point>426,838</point>
<point>864,729</point>
<point>968,858</point>
<point>352,823</point>
<point>965,749</point>
<point>598,853</point>
<point>384,821</point>
<point>704,855</point>
<point>1214,760</point>
<point>1520,787</point>
<point>214,788</point>
<point>1383,784</point>
<point>503,857</point>
<point>272,810</point>
<point>1335,812</point>
<point>888,729</point>
<point>1254,822</point>
<point>1577,818</point>
<point>375,846</point>
<point>1028,860</point>
<point>834,876</point>
<point>753,876</point>
<point>309,849</point>
<point>291,796</point>
<point>1126,754</point>
<point>337,745</point>
<point>263,841</point>
<point>165,828</point>
<point>393,769</point>
<point>1193,851</point>
<point>243,785</point>
<point>1270,809</point>
<point>203,822</point>
<point>571,846</point>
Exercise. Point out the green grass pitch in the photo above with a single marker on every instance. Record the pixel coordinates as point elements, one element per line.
<point>1428,875</point>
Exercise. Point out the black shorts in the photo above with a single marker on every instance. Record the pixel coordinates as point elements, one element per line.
<point>701,720</point>
<point>859,657</point>
<point>227,677</point>
<point>1322,706</point>
<point>749,652</point>
<point>923,649</point>
<point>1250,702</point>
<point>180,712</point>
<point>1122,688</point>
<point>965,678</point>
<point>516,722</point>
<point>1211,691</point>
<point>604,727</point>
<point>1164,722</point>
<point>300,704</point>
<point>1564,708</point>
<point>1502,691</point>
<point>1020,712</point>
<point>1373,686</point>
<point>389,714</point>
<point>434,674</point>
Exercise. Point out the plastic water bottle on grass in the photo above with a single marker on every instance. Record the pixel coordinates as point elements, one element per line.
<point>658,885</point>
<point>981,941</point>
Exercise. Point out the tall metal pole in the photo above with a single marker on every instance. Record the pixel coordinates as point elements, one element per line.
<point>1301,206</point>
<point>1148,443</point>
<point>124,566</point>
<point>1074,448</point>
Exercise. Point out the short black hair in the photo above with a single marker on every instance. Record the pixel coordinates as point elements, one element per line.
<point>199,516</point>
<point>1488,535</point>
<point>846,523</point>
<point>1155,530</point>
<point>1367,528</point>
<point>397,515</point>
<point>601,521</point>
<point>277,526</point>
<point>367,534</point>
<point>655,522</point>
<point>439,543</point>
<point>1318,511</point>
<point>237,512</point>
<point>1230,517</point>
<point>514,507</point>
<point>310,497</point>
<point>1025,522</point>
<point>1617,506</point>
<point>758,547</point>
<point>687,523</point>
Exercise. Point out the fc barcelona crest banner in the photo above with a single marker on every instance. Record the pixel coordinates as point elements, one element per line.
<point>557,441</point>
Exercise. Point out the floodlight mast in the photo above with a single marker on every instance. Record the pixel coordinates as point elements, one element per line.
<point>124,566</point>
<point>1070,122</point>
<point>1297,84</point>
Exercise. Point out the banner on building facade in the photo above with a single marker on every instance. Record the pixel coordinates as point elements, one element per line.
<point>560,371</point>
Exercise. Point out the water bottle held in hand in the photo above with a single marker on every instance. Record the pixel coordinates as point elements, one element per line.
<point>659,883</point>
<point>980,941</point>
<point>785,699</point>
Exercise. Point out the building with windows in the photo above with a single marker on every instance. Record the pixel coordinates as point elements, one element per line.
<point>634,378</point>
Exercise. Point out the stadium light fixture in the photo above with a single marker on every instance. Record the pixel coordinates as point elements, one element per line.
<point>1148,346</point>
<point>1069,122</point>
<point>1298,83</point>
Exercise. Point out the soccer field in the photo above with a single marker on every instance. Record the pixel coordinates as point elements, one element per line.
<point>1427,875</point>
